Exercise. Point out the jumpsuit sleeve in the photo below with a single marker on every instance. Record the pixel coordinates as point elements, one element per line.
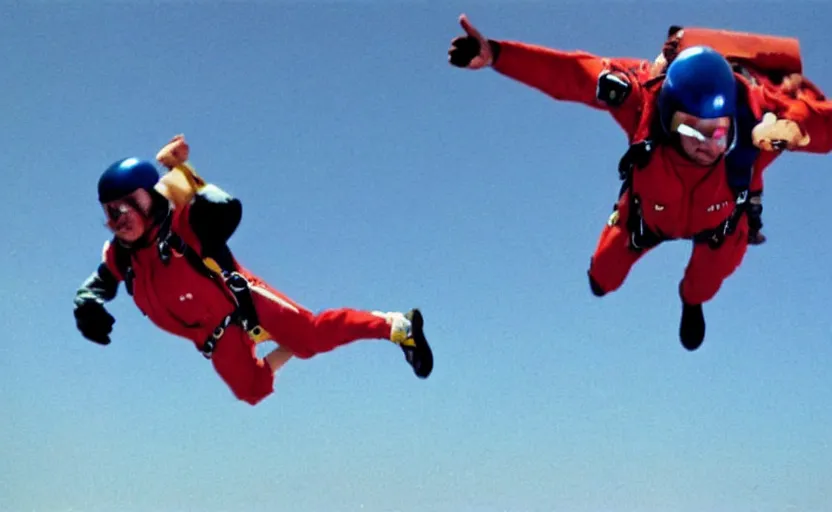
<point>764,159</point>
<point>214,216</point>
<point>815,120</point>
<point>101,286</point>
<point>90,312</point>
<point>572,76</point>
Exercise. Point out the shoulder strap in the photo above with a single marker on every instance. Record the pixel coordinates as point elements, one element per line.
<point>742,157</point>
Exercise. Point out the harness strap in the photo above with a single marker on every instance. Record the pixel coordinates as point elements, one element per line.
<point>210,344</point>
<point>245,315</point>
<point>123,253</point>
<point>637,157</point>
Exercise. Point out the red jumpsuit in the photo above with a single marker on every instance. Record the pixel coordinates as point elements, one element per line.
<point>184,302</point>
<point>678,199</point>
<point>773,66</point>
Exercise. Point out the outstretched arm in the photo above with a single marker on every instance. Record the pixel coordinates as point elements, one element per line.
<point>566,76</point>
<point>91,317</point>
<point>815,120</point>
<point>611,84</point>
<point>181,182</point>
<point>210,212</point>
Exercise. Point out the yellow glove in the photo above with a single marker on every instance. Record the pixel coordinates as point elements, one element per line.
<point>774,134</point>
<point>182,182</point>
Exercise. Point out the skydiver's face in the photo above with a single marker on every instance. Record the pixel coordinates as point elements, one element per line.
<point>702,140</point>
<point>128,217</point>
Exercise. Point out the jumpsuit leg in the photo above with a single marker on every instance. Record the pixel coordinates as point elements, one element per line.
<point>708,268</point>
<point>613,257</point>
<point>306,333</point>
<point>235,360</point>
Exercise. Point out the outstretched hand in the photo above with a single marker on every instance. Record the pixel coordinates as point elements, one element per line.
<point>472,50</point>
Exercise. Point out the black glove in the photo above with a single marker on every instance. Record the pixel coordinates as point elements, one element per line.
<point>94,322</point>
<point>465,48</point>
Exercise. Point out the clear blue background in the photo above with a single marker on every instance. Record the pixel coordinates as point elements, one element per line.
<point>375,175</point>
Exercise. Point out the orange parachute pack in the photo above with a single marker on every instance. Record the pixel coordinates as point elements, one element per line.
<point>773,62</point>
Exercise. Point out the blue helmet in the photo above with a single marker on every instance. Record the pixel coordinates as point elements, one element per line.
<point>699,82</point>
<point>126,176</point>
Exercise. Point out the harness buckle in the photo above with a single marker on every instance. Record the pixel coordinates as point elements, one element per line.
<point>210,344</point>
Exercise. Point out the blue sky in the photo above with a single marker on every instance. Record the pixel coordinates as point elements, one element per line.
<point>374,175</point>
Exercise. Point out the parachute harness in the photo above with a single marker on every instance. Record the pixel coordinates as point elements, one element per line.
<point>244,314</point>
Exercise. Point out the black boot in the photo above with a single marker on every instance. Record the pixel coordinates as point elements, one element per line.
<point>692,326</point>
<point>416,349</point>
<point>595,287</point>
